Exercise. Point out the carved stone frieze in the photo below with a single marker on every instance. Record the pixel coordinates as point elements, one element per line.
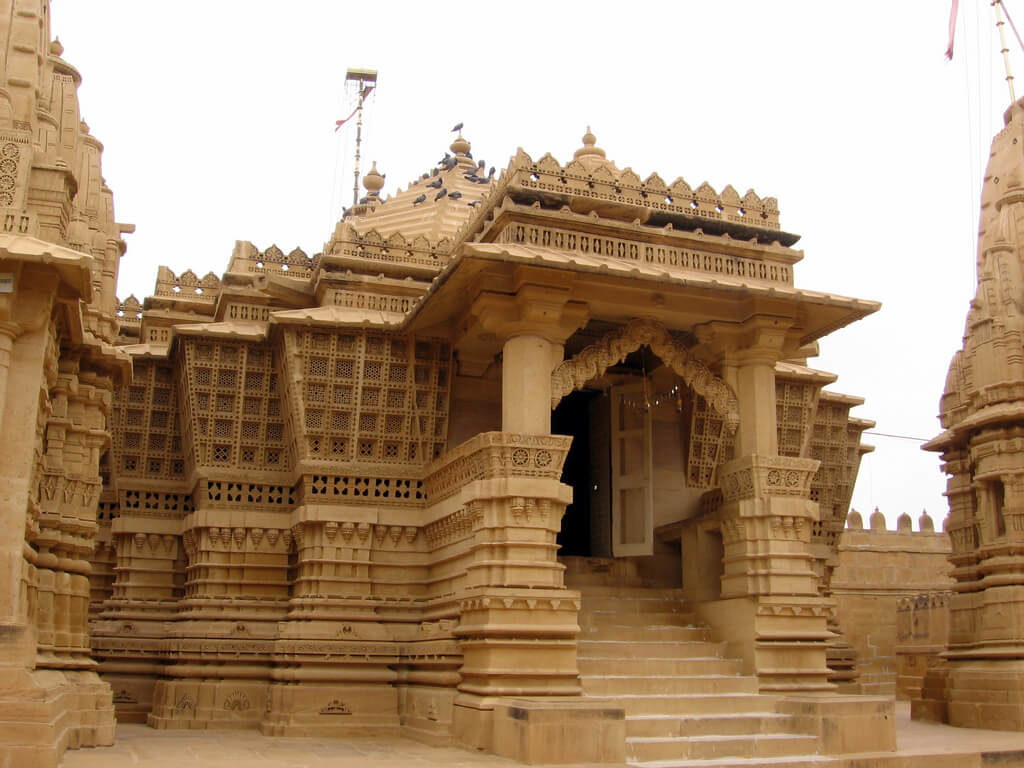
<point>759,476</point>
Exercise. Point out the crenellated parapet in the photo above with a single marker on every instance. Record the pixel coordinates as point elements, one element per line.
<point>603,182</point>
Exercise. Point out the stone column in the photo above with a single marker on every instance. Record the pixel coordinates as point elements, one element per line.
<point>518,623</point>
<point>770,597</point>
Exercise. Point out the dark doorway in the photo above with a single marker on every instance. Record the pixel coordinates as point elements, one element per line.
<point>572,417</point>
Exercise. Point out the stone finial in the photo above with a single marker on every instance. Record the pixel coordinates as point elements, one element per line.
<point>854,521</point>
<point>590,150</point>
<point>56,48</point>
<point>877,521</point>
<point>904,524</point>
<point>373,181</point>
<point>460,146</point>
<point>925,522</point>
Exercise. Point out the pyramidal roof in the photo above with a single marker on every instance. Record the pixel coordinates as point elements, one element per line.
<point>436,205</point>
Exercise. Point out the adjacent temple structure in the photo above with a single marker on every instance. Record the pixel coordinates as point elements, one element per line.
<point>981,682</point>
<point>530,460</point>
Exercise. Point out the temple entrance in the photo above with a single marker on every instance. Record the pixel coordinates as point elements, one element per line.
<point>586,525</point>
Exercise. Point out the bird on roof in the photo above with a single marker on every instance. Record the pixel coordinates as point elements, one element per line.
<point>481,165</point>
<point>473,204</point>
<point>433,172</point>
<point>419,199</point>
<point>344,212</point>
<point>469,155</point>
<point>444,159</point>
<point>455,195</point>
<point>450,163</point>
<point>458,127</point>
<point>471,177</point>
<point>424,176</point>
<point>440,194</point>
<point>436,183</point>
<point>490,174</point>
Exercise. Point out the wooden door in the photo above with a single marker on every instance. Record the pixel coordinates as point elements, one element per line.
<point>632,478</point>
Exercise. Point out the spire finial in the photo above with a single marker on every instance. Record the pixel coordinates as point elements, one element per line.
<point>373,181</point>
<point>460,146</point>
<point>590,154</point>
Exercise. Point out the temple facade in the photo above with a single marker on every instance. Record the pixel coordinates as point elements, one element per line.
<point>981,681</point>
<point>513,450</point>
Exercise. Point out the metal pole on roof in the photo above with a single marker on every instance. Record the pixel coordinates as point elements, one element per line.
<point>997,5</point>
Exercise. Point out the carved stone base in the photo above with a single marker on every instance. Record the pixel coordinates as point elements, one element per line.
<point>199,704</point>
<point>45,712</point>
<point>330,709</point>
<point>426,713</point>
<point>986,694</point>
<point>133,686</point>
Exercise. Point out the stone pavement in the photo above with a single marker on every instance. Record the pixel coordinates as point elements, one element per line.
<point>935,746</point>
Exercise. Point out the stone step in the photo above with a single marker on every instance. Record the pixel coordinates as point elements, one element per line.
<point>644,634</point>
<point>627,649</point>
<point>693,704</point>
<point>660,618</point>
<point>719,747</point>
<point>630,649</point>
<point>706,665</point>
<point>636,604</point>
<point>789,761</point>
<point>710,725</point>
<point>667,685</point>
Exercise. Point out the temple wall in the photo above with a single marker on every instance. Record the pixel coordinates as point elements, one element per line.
<point>891,591</point>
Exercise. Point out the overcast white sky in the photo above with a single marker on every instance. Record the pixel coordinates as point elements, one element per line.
<point>217,117</point>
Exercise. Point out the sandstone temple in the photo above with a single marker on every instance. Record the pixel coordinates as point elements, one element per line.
<point>531,460</point>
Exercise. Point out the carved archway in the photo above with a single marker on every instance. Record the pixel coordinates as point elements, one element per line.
<point>594,360</point>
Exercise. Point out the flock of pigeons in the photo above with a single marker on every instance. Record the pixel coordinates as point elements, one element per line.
<point>449,163</point>
<point>445,164</point>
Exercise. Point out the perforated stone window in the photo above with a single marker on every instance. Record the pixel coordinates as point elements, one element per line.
<point>387,396</point>
<point>238,392</point>
<point>143,423</point>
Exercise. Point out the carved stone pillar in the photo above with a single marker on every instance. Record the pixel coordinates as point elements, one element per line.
<point>770,594</point>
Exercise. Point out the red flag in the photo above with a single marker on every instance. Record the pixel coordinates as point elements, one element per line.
<point>362,97</point>
<point>952,29</point>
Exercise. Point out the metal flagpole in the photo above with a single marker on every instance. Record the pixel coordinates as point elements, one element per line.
<point>361,76</point>
<point>1000,23</point>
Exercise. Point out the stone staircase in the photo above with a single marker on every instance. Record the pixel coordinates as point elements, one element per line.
<point>685,703</point>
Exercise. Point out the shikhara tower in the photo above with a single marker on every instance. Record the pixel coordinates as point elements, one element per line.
<point>981,683</point>
<point>59,252</point>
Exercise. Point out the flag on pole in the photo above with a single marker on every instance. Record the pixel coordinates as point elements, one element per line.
<point>952,29</point>
<point>362,97</point>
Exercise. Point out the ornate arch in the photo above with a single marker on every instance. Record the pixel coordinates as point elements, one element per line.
<point>592,361</point>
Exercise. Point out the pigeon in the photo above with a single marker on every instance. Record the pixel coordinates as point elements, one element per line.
<point>440,194</point>
<point>481,165</point>
<point>471,177</point>
<point>424,176</point>
<point>469,155</point>
<point>458,127</point>
<point>436,183</point>
<point>444,159</point>
<point>419,199</point>
<point>455,195</point>
<point>344,213</point>
<point>474,204</point>
<point>491,174</point>
<point>433,172</point>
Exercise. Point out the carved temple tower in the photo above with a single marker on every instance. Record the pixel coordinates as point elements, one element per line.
<point>981,683</point>
<point>60,247</point>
